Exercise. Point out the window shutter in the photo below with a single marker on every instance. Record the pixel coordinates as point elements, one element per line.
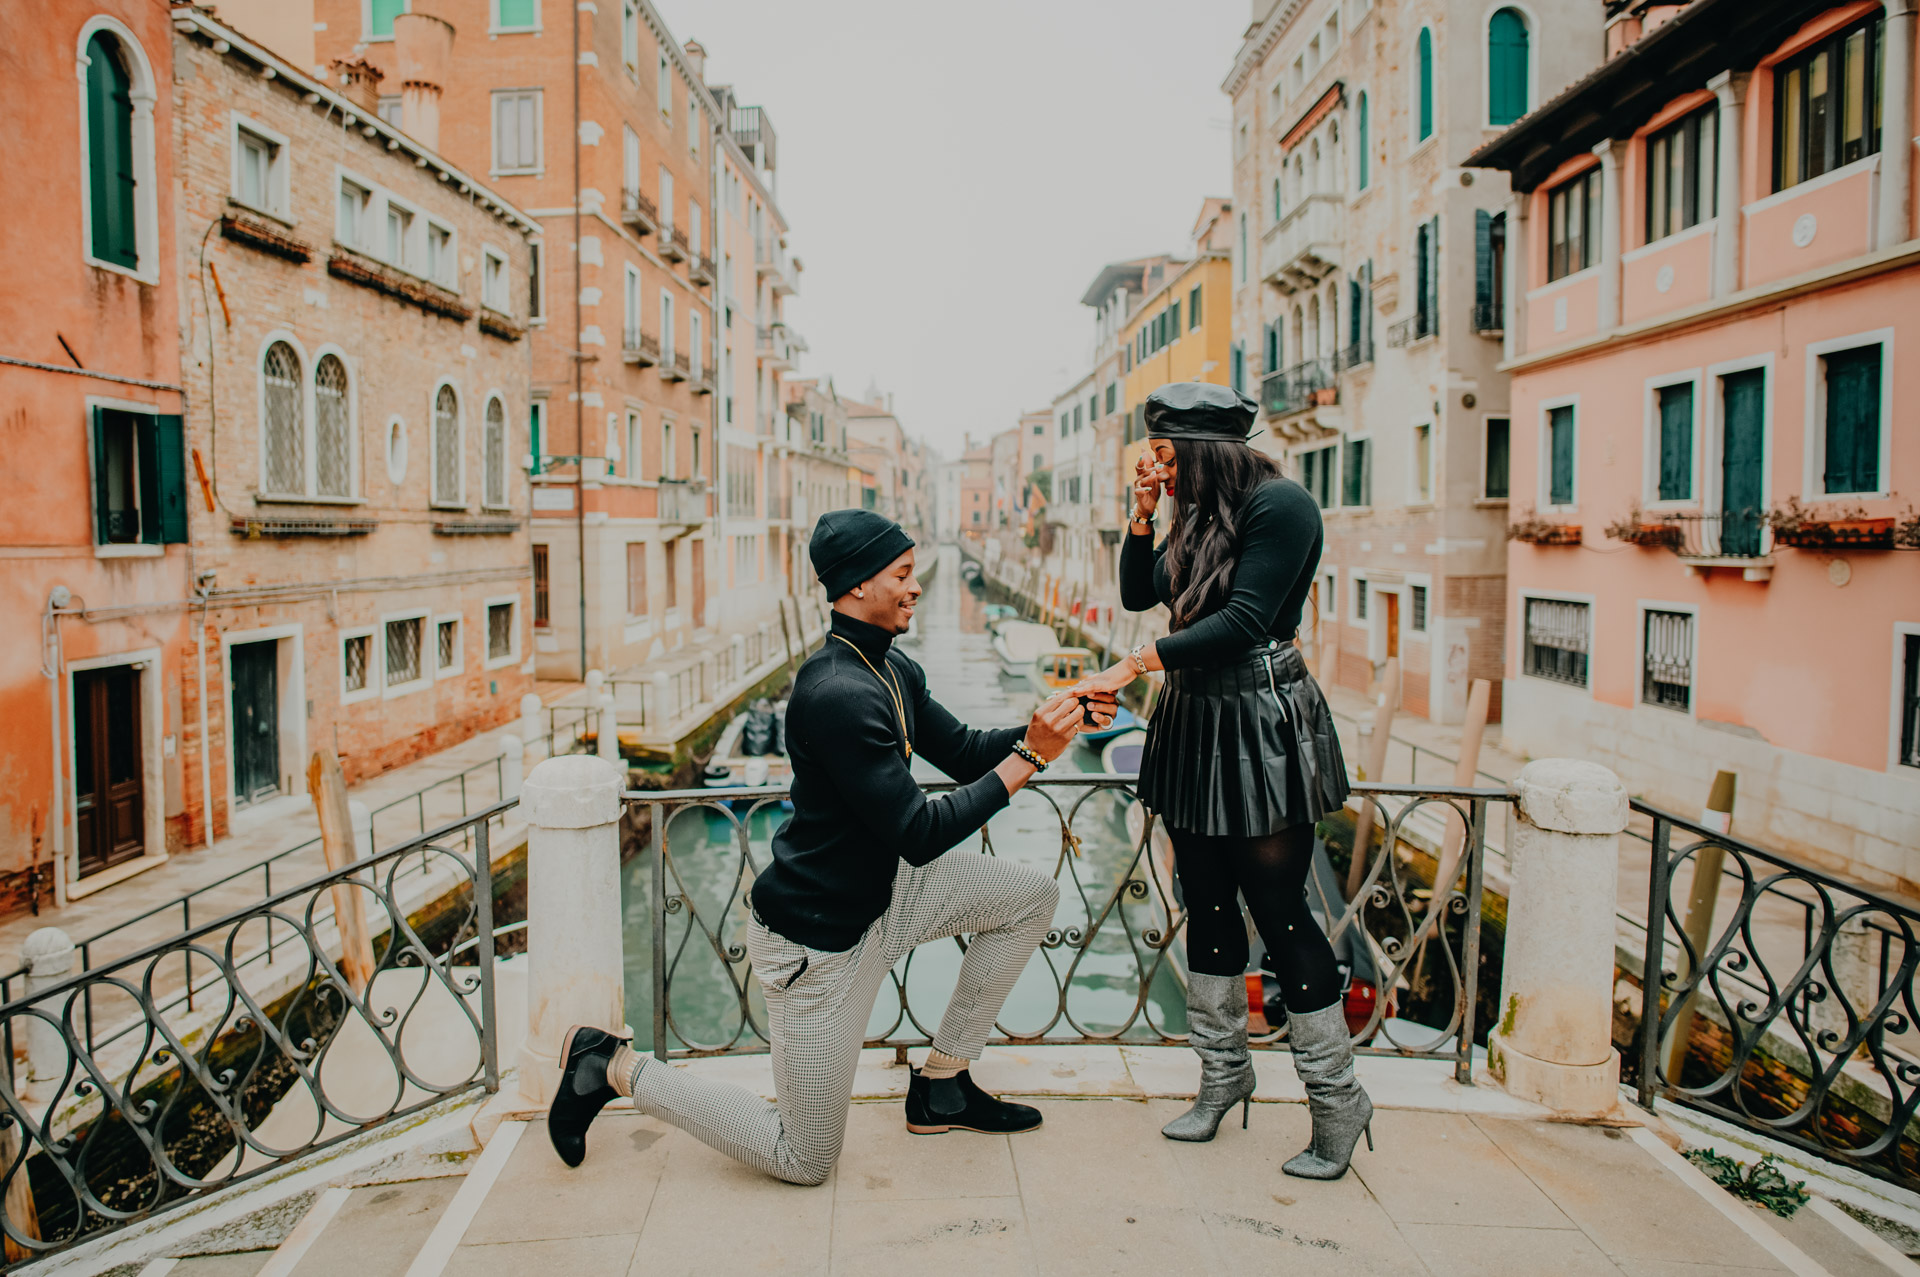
<point>1676,443</point>
<point>1360,145</point>
<point>1507,55</point>
<point>1425,58</point>
<point>1420,272</point>
<point>1483,298</point>
<point>1853,420</point>
<point>1560,473</point>
<point>1433,274</point>
<point>101,532</point>
<point>1354,305</point>
<point>170,473</point>
<point>110,154</point>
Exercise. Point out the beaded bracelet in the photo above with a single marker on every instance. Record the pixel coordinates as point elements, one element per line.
<point>1020,747</point>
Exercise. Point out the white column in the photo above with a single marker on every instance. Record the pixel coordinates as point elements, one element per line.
<point>513,766</point>
<point>48,956</point>
<point>1514,282</point>
<point>595,681</point>
<point>1731,88</point>
<point>574,959</point>
<point>1611,153</point>
<point>361,818</point>
<point>530,717</point>
<point>663,708</point>
<point>1554,1042</point>
<point>608,738</point>
<point>1896,138</point>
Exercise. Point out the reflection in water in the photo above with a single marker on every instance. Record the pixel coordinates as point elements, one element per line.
<point>1105,975</point>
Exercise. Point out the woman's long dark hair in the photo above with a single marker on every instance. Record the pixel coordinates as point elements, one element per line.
<point>1211,487</point>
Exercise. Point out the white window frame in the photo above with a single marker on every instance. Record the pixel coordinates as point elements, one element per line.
<point>1897,690</point>
<point>537,283</point>
<point>279,203</point>
<point>1480,496</point>
<point>496,27</point>
<point>630,37</point>
<point>493,396</point>
<point>633,439</point>
<point>1519,637</point>
<point>629,161</point>
<point>665,188</point>
<point>389,690</point>
<point>142,94</point>
<point>667,348</point>
<point>1543,451</point>
<point>435,498</point>
<point>459,645</point>
<point>1640,701</point>
<point>488,660</point>
<point>1411,582</point>
<point>1340,491</point>
<point>632,300</point>
<point>1713,429</point>
<point>1357,580</point>
<point>669,462</point>
<point>1415,497</point>
<point>696,362</point>
<point>342,178</point>
<point>663,86</point>
<point>376,664</point>
<point>450,276</point>
<point>1330,604</point>
<point>1813,481</point>
<point>394,433</point>
<point>496,286</point>
<point>539,131</point>
<point>412,248</point>
<point>1486,64</point>
<point>1414,140</point>
<point>1650,437</point>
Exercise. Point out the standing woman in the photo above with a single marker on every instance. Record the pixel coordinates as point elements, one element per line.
<point>1241,757</point>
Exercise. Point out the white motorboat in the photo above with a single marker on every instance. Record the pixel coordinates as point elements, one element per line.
<point>1019,644</point>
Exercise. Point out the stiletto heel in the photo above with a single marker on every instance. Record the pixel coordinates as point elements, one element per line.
<point>1369,1130</point>
<point>1245,1105</point>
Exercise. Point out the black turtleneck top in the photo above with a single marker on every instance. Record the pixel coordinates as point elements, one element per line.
<point>857,810</point>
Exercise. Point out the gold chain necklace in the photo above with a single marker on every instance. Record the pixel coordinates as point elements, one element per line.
<point>892,686</point>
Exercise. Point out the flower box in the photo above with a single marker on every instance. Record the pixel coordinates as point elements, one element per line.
<point>1837,534</point>
<point>1659,536</point>
<point>1540,533</point>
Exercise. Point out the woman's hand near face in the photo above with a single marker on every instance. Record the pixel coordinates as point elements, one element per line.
<point>1146,484</point>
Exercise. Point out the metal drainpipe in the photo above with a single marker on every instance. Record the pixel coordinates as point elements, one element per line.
<point>579,363</point>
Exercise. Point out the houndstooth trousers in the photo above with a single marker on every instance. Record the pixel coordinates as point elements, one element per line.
<point>818,1004</point>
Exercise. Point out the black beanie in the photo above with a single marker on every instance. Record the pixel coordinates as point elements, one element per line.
<point>851,546</point>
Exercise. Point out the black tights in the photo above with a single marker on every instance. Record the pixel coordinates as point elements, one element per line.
<point>1271,873</point>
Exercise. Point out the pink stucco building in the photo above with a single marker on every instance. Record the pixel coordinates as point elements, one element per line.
<point>1714,444</point>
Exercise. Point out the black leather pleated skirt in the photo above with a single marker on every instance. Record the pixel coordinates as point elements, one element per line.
<point>1243,748</point>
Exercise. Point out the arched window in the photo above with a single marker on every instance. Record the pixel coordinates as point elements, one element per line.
<point>110,166</point>
<point>1507,55</point>
<point>1423,85</point>
<point>1278,204</point>
<point>332,428</point>
<point>496,454</point>
<point>1365,132</point>
<point>446,446</point>
<point>283,432</point>
<point>1312,350</point>
<point>1315,170</point>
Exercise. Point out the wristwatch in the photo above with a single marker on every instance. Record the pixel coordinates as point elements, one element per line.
<point>1144,520</point>
<point>1139,661</point>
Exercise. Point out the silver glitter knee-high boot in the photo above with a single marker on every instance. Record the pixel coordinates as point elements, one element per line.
<point>1341,1110</point>
<point>1217,1029</point>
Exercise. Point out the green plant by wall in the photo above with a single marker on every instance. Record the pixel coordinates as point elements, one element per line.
<point>1761,1183</point>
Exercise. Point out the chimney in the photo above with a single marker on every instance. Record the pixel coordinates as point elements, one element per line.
<point>696,54</point>
<point>359,80</point>
<point>423,45</point>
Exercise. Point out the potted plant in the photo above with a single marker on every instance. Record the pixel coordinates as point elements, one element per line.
<point>1637,529</point>
<point>1534,530</point>
<point>1906,533</point>
<point>1838,527</point>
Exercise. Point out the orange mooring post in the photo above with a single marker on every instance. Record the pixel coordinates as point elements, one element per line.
<point>1708,863</point>
<point>1376,768</point>
<point>329,789</point>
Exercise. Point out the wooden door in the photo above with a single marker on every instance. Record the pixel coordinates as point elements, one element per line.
<point>1391,602</point>
<point>699,584</point>
<point>256,721</point>
<point>110,805</point>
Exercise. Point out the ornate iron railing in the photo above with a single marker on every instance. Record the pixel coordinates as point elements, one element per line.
<point>1297,388</point>
<point>1729,534</point>
<point>136,1101</point>
<point>1793,1015</point>
<point>1108,972</point>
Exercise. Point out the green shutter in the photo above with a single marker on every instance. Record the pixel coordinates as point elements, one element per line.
<point>1507,55</point>
<point>146,445</point>
<point>1498,432</point>
<point>1173,323</point>
<point>1193,308</point>
<point>110,155</point>
<point>382,14</point>
<point>1676,443</point>
<point>1420,256</point>
<point>1424,55</point>
<point>171,473</point>
<point>1853,420</point>
<point>1360,147</point>
<point>1560,455</point>
<point>101,527</point>
<point>514,13</point>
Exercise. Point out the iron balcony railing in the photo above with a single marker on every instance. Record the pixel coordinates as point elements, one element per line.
<point>1357,355</point>
<point>673,244</point>
<point>1727,534</point>
<point>683,501</point>
<point>1422,323</point>
<point>639,349</point>
<point>279,1058</point>
<point>1106,972</point>
<point>1792,1014</point>
<point>1489,318</point>
<point>1298,388</point>
<point>638,212</point>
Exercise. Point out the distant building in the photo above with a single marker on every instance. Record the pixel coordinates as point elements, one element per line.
<point>1715,267</point>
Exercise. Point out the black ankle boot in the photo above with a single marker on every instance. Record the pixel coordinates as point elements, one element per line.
<point>938,1105</point>
<point>583,1090</point>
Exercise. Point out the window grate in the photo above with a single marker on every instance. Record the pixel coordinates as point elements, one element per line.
<point>333,441</point>
<point>446,446</point>
<point>496,453</point>
<point>354,662</point>
<point>403,651</point>
<point>1558,635</point>
<point>447,634</point>
<point>499,631</point>
<point>1420,608</point>
<point>1360,593</point>
<point>285,440</point>
<point>1666,665</point>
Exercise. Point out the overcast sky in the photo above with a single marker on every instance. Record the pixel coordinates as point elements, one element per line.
<point>955,175</point>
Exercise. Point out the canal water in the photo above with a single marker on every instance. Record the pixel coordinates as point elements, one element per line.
<point>1109,923</point>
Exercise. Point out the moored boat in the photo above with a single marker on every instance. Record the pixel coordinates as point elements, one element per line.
<point>1019,643</point>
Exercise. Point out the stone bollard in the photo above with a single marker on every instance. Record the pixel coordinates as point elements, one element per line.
<point>595,681</point>
<point>530,717</point>
<point>513,766</point>
<point>574,960</point>
<point>48,956</point>
<point>607,738</point>
<point>1554,1042</point>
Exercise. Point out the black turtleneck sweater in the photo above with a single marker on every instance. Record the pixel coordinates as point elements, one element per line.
<point>857,810</point>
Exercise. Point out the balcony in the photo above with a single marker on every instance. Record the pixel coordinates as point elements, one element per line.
<point>638,349</point>
<point>1415,327</point>
<point>771,262</point>
<point>1304,248</point>
<point>682,502</point>
<point>673,246</point>
<point>704,381</point>
<point>778,347</point>
<point>1737,539</point>
<point>1357,355</point>
<point>673,367</point>
<point>1296,389</point>
<point>637,212</point>
<point>700,269</point>
<point>1489,319</point>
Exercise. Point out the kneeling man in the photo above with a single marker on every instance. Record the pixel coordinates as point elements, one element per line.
<point>859,877</point>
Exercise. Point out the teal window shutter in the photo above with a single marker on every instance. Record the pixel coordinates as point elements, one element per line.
<point>382,13</point>
<point>513,13</point>
<point>1507,54</point>
<point>110,154</point>
<point>1676,442</point>
<point>1362,158</point>
<point>1174,323</point>
<point>146,444</point>
<point>1423,55</point>
<point>1483,298</point>
<point>1560,455</point>
<point>1497,461</point>
<point>170,472</point>
<point>1853,420</point>
<point>1193,308</point>
<point>1421,256</point>
<point>102,502</point>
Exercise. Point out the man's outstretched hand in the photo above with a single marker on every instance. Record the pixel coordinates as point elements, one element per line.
<point>1062,716</point>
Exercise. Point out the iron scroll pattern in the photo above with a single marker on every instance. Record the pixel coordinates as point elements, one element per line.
<point>1111,951</point>
<point>1796,1019</point>
<point>274,1059</point>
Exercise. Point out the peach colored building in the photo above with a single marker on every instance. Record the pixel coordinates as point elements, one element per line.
<point>96,576</point>
<point>1709,333</point>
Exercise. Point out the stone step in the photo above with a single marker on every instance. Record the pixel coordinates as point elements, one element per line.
<point>376,1230</point>
<point>1839,1243</point>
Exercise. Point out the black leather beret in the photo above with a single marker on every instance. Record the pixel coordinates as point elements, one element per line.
<point>1199,410</point>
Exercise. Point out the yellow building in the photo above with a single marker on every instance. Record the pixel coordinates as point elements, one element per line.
<point>1183,331</point>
